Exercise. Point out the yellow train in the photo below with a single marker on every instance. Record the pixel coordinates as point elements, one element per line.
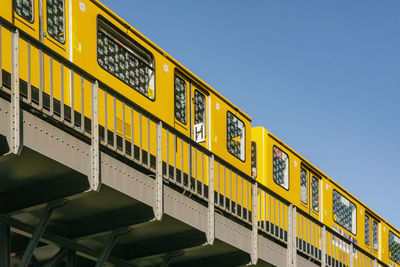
<point>89,35</point>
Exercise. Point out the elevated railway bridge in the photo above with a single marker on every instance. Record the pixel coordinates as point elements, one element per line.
<point>73,193</point>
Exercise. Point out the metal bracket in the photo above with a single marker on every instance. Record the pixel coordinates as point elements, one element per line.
<point>254,239</point>
<point>159,196</point>
<point>16,146</point>
<point>110,245</point>
<point>94,178</point>
<point>40,228</point>
<point>211,205</point>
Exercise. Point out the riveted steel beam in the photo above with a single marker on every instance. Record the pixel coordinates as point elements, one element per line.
<point>254,239</point>
<point>211,204</point>
<point>94,177</point>
<point>15,96</point>
<point>159,195</point>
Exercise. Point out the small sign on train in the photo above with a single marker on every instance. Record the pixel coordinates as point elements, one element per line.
<point>199,132</point>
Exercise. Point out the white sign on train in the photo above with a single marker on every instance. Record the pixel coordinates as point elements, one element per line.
<point>199,132</point>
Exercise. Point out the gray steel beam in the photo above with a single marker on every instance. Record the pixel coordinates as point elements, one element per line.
<point>211,204</point>
<point>159,194</point>
<point>94,177</point>
<point>15,96</point>
<point>5,247</point>
<point>110,245</point>
<point>323,249</point>
<point>254,239</point>
<point>37,234</point>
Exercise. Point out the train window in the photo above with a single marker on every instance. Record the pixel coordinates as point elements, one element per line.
<point>344,212</point>
<point>55,19</point>
<point>24,8</point>
<point>199,108</point>
<point>366,225</point>
<point>303,186</point>
<point>125,59</point>
<point>281,168</point>
<point>180,100</point>
<point>315,194</point>
<point>235,136</point>
<point>253,160</point>
<point>394,247</point>
<point>375,235</point>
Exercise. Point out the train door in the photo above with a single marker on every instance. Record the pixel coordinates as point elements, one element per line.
<point>310,191</point>
<point>55,15</point>
<point>371,234</point>
<point>26,16</point>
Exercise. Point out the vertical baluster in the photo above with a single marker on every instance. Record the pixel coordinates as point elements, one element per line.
<point>133,135</point>
<point>140,139</point>
<point>1,60</point>
<point>29,74</point>
<point>115,123</point>
<point>61,85</point>
<point>148,143</point>
<point>202,173</point>
<point>182,169</point>
<point>41,79</point>
<point>72,98</point>
<point>225,196</point>
<point>195,171</point>
<point>105,118</point>
<point>175,151</point>
<point>167,163</point>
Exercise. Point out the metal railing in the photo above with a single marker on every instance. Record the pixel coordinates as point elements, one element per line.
<point>62,91</point>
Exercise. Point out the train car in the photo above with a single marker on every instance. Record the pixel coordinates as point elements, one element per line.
<point>95,39</point>
<point>282,170</point>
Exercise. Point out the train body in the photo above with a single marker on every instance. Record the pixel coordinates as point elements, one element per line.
<point>89,35</point>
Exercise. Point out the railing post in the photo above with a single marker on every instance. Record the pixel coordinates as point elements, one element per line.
<point>159,196</point>
<point>1,61</point>
<point>323,247</point>
<point>94,180</point>
<point>15,96</point>
<point>211,199</point>
<point>351,254</point>
<point>254,250</point>
<point>375,263</point>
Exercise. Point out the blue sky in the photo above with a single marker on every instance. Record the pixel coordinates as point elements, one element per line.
<point>321,75</point>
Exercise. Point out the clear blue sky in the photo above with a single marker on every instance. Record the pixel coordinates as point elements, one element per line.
<point>324,76</point>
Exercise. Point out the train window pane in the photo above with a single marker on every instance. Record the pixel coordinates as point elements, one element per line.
<point>344,212</point>
<point>126,60</point>
<point>303,186</point>
<point>55,19</point>
<point>24,8</point>
<point>199,108</point>
<point>253,160</point>
<point>394,247</point>
<point>315,194</point>
<point>366,224</point>
<point>235,136</point>
<point>375,235</point>
<point>281,168</point>
<point>180,100</point>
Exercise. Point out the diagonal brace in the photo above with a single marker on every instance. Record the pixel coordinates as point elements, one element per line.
<point>40,228</point>
<point>110,245</point>
<point>57,258</point>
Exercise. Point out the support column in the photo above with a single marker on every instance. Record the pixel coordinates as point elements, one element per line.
<point>94,179</point>
<point>5,246</point>
<point>211,203</point>
<point>40,228</point>
<point>110,245</point>
<point>291,245</point>
<point>254,239</point>
<point>159,195</point>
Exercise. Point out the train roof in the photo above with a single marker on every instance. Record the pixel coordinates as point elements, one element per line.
<point>165,54</point>
<point>309,164</point>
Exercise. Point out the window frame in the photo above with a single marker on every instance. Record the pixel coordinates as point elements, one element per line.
<point>64,22</point>
<point>33,11</point>
<point>254,176</point>
<point>375,222</point>
<point>314,177</point>
<point>288,158</point>
<point>334,190</point>
<point>186,98</point>
<point>112,29</point>
<point>389,252</point>
<point>369,230</point>
<point>244,136</point>
<point>307,188</point>
<point>205,108</point>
